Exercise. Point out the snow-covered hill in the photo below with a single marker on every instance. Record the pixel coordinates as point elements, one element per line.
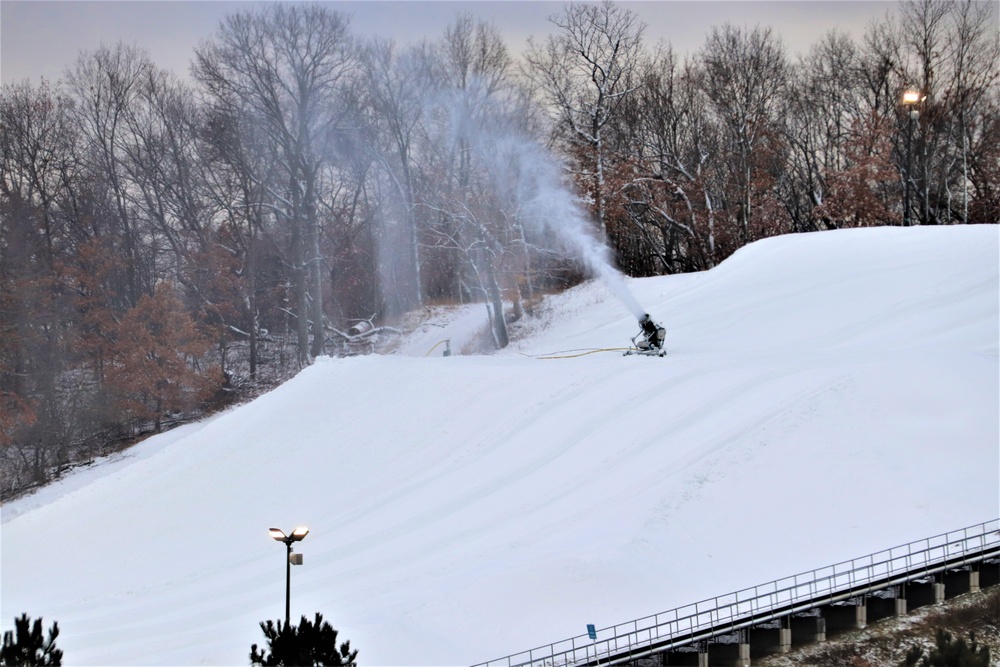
<point>825,396</point>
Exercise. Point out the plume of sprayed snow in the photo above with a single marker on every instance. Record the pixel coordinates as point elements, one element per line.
<point>523,174</point>
<point>545,204</point>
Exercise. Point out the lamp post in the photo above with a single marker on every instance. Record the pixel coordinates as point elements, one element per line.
<point>293,559</point>
<point>910,99</point>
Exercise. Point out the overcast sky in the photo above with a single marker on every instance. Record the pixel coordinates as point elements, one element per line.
<point>42,38</point>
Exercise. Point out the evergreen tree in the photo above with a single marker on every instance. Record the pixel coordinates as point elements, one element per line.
<point>27,647</point>
<point>311,643</point>
<point>950,653</point>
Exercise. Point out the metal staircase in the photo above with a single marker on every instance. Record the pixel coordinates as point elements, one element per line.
<point>726,614</point>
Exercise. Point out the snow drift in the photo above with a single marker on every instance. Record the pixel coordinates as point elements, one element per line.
<point>824,396</point>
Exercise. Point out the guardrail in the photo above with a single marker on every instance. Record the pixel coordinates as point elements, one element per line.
<point>751,606</point>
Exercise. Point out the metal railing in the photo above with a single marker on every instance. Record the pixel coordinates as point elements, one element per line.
<point>752,606</point>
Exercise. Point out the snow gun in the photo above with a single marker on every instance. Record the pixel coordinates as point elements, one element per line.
<point>649,340</point>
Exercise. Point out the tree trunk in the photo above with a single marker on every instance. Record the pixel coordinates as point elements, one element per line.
<point>497,321</point>
<point>315,272</point>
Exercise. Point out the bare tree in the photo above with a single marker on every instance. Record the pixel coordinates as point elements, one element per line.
<point>476,82</point>
<point>664,194</point>
<point>38,167</point>
<point>107,84</point>
<point>158,159</point>
<point>233,159</point>
<point>943,51</point>
<point>923,29</point>
<point>284,65</point>
<point>584,73</point>
<point>974,52</point>
<point>745,77</point>
<point>471,210</point>
<point>825,101</point>
<point>398,85</point>
<point>923,26</point>
<point>474,50</point>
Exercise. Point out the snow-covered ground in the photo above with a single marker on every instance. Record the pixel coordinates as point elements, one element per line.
<point>825,396</point>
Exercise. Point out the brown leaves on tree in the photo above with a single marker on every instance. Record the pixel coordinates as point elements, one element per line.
<point>15,414</point>
<point>156,356</point>
<point>859,194</point>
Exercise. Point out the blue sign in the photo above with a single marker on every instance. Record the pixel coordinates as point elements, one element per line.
<point>591,631</point>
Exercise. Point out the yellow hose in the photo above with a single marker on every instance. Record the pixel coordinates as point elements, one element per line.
<point>553,355</point>
<point>573,356</point>
<point>436,346</point>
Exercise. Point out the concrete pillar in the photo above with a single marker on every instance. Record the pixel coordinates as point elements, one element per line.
<point>689,656</point>
<point>920,593</point>
<point>938,593</point>
<point>730,655</point>
<point>808,629</point>
<point>900,606</point>
<point>853,616</point>
<point>784,640</point>
<point>888,607</point>
<point>962,581</point>
<point>771,638</point>
<point>743,655</point>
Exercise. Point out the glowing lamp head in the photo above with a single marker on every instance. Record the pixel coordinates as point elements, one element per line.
<point>276,534</point>
<point>299,533</point>
<point>911,97</point>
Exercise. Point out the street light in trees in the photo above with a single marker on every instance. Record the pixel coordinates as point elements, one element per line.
<point>910,98</point>
<point>293,559</point>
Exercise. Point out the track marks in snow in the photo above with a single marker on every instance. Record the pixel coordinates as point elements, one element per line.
<point>451,497</point>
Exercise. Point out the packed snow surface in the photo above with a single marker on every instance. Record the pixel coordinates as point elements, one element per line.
<point>825,396</point>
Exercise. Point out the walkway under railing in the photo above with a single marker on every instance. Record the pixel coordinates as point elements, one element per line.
<point>752,606</point>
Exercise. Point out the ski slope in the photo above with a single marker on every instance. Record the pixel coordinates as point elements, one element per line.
<point>824,396</point>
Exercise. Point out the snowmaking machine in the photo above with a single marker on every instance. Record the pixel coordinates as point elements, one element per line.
<point>649,340</point>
